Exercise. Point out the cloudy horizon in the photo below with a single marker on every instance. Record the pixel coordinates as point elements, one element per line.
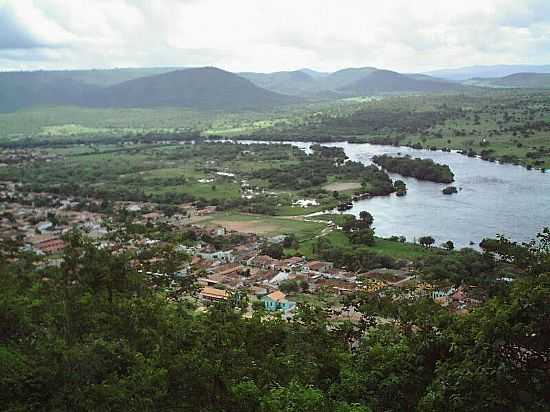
<point>244,35</point>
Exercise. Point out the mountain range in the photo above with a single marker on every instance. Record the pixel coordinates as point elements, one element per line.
<point>516,80</point>
<point>348,82</point>
<point>205,88</point>
<point>488,71</point>
<point>210,88</point>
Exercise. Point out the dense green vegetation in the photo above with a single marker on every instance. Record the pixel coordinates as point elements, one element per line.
<point>93,336</point>
<point>323,164</point>
<point>499,124</point>
<point>422,169</point>
<point>162,173</point>
<point>254,178</point>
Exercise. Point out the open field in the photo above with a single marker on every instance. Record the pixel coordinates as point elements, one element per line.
<point>342,186</point>
<point>265,225</point>
<point>383,246</point>
<point>63,122</point>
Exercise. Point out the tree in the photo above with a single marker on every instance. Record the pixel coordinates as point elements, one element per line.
<point>288,286</point>
<point>426,241</point>
<point>294,398</point>
<point>274,250</point>
<point>362,236</point>
<point>291,241</point>
<point>449,245</point>
<point>366,217</point>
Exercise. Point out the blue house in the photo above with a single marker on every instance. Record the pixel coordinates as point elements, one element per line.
<point>277,301</point>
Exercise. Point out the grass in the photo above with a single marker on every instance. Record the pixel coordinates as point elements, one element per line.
<point>318,299</point>
<point>338,239</point>
<point>266,225</point>
<point>299,211</point>
<point>339,219</point>
<point>208,191</point>
<point>70,120</point>
<point>305,248</point>
<point>400,250</point>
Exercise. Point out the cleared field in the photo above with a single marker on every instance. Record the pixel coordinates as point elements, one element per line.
<point>266,225</point>
<point>256,227</point>
<point>342,186</point>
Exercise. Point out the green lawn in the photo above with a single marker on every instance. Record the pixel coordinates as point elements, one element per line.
<point>383,246</point>
<point>208,191</point>
<point>400,250</point>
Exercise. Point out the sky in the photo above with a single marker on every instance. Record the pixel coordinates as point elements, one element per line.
<point>254,35</point>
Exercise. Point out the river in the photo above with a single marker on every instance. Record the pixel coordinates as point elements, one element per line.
<point>493,199</point>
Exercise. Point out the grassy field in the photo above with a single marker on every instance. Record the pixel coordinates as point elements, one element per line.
<point>265,225</point>
<point>383,246</point>
<point>70,121</point>
<point>59,122</point>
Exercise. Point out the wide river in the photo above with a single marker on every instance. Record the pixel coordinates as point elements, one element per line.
<point>492,199</point>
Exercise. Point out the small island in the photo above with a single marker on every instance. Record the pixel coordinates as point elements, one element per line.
<point>421,169</point>
<point>400,188</point>
<point>449,190</point>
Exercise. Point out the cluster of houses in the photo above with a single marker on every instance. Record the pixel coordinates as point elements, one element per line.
<point>39,221</point>
<point>22,156</point>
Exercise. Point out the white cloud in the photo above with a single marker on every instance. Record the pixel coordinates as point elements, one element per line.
<point>285,34</point>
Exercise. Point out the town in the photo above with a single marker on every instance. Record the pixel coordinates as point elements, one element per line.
<point>222,262</point>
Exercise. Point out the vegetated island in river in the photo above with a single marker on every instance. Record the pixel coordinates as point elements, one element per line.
<point>421,169</point>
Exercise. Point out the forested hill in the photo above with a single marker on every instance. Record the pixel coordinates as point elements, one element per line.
<point>517,80</point>
<point>199,88</point>
<point>289,82</point>
<point>387,81</point>
<point>350,82</point>
<point>202,88</point>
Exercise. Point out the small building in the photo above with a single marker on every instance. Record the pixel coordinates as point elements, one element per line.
<point>277,301</point>
<point>210,294</point>
<point>224,256</point>
<point>319,266</point>
<point>50,246</point>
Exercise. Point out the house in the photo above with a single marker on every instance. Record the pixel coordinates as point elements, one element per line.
<point>49,246</point>
<point>225,256</point>
<point>133,208</point>
<point>265,262</point>
<point>210,294</point>
<point>277,239</point>
<point>279,277</point>
<point>152,216</point>
<point>206,211</point>
<point>293,262</point>
<point>318,266</point>
<point>258,291</point>
<point>277,301</point>
<point>43,227</point>
<point>218,231</point>
<point>228,270</point>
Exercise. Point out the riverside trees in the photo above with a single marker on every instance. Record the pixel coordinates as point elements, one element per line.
<point>422,169</point>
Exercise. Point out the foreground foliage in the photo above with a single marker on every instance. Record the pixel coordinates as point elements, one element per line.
<point>93,335</point>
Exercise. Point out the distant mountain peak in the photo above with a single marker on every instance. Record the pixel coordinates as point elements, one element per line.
<point>198,88</point>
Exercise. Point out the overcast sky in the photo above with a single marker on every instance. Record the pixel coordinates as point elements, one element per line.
<point>255,35</point>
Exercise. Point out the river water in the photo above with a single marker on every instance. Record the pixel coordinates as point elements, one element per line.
<point>492,199</point>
